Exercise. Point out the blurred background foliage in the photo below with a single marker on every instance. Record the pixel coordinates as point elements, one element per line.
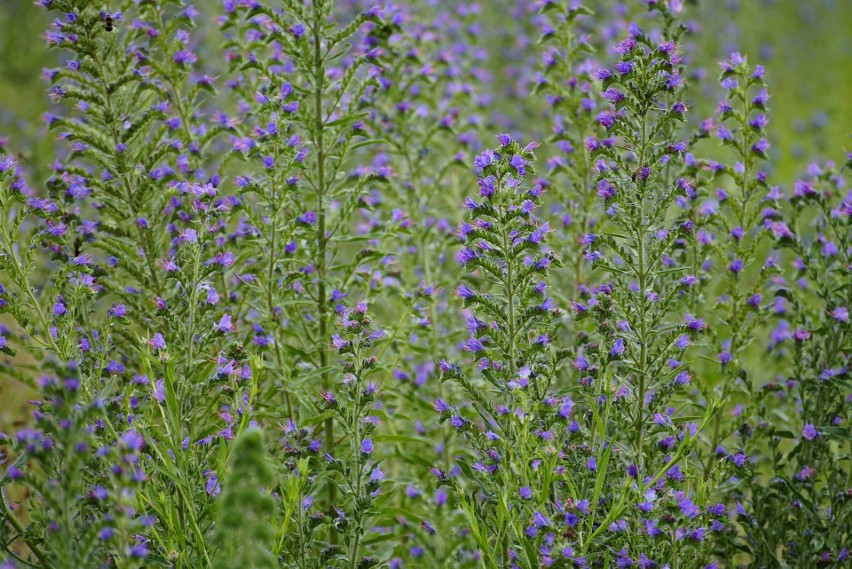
<point>805,45</point>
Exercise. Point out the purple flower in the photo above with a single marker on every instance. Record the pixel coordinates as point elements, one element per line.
<point>137,551</point>
<point>6,164</point>
<point>465,255</point>
<point>445,367</point>
<point>739,459</point>
<point>566,408</point>
<point>307,218</point>
<point>185,56</point>
<point>485,159</point>
<point>761,99</point>
<point>613,95</point>
<point>465,292</point>
<point>338,342</point>
<point>118,311</point>
<point>106,534</point>
<point>736,266</point>
<point>225,324</point>
<point>625,46</point>
<point>601,74</point>
<point>131,440</point>
<point>624,67</point>
<point>540,520</point>
<point>688,507</point>
<point>157,342</point>
<point>810,432</point>
<point>606,190</point>
<point>693,323</point>
<point>212,486</point>
<point>760,147</point>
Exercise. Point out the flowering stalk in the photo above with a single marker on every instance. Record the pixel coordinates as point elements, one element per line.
<point>642,252</point>
<point>733,236</point>
<point>504,243</point>
<point>298,531</point>
<point>572,103</point>
<point>362,477</point>
<point>805,507</point>
<point>59,444</point>
<point>631,184</point>
<point>57,459</point>
<point>308,126</point>
<point>427,108</point>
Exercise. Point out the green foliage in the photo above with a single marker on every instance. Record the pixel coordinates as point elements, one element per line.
<point>244,524</point>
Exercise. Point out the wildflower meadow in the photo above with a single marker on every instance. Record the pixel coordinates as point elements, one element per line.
<point>418,284</point>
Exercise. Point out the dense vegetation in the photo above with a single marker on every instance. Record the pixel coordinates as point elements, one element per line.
<point>292,284</point>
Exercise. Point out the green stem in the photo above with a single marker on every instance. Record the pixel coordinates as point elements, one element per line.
<point>510,291</point>
<point>8,515</point>
<point>322,241</point>
<point>23,283</point>
<point>643,332</point>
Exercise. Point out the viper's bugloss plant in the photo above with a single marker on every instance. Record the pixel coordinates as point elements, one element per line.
<point>796,510</point>
<point>510,325</point>
<point>632,367</point>
<point>572,102</point>
<point>302,77</point>
<point>736,224</point>
<point>636,355</point>
<point>361,473</point>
